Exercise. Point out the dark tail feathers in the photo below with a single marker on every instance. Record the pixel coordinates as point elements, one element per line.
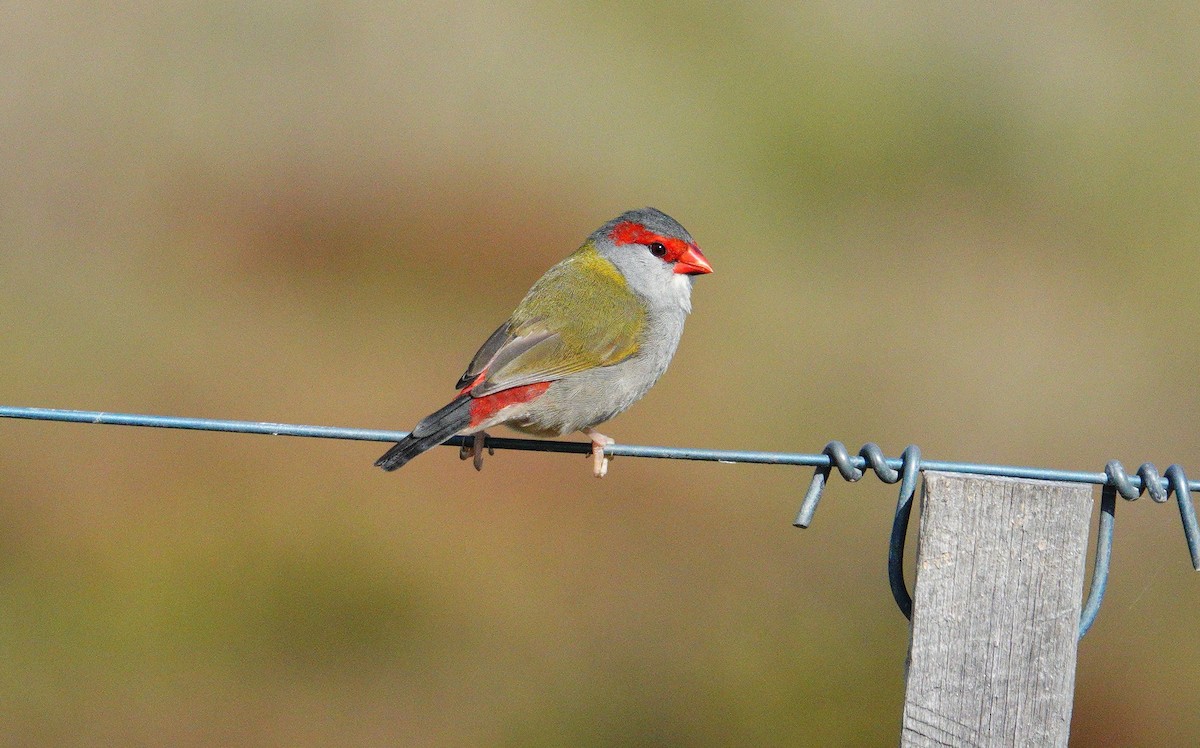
<point>429,433</point>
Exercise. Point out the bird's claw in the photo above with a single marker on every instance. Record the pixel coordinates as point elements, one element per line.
<point>474,450</point>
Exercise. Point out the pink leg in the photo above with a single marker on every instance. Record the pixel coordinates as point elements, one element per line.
<point>599,460</point>
<point>475,450</point>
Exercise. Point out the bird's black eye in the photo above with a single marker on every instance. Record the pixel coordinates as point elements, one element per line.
<point>657,249</point>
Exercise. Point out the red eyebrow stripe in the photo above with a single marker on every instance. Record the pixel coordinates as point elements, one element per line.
<point>628,232</point>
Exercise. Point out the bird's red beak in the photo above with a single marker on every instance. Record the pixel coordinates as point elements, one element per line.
<point>692,262</point>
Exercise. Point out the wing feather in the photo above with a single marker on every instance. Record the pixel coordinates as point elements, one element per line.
<point>484,355</point>
<point>578,316</point>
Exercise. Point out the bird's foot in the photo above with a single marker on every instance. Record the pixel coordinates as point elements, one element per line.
<point>474,450</point>
<point>599,459</point>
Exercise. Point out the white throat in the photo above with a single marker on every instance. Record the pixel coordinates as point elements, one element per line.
<point>681,289</point>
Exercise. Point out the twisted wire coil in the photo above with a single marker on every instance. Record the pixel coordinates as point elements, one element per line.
<point>905,470</point>
<point>1117,482</point>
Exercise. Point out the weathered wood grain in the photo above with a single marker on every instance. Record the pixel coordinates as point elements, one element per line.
<point>1000,569</point>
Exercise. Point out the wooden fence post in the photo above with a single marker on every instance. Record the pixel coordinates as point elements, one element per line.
<point>999,581</point>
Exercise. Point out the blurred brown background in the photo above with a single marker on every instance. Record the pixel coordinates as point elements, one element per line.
<point>966,227</point>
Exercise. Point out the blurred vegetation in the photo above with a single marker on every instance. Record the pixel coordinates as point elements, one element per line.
<point>974,228</point>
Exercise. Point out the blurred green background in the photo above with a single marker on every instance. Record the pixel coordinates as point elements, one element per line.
<point>966,226</point>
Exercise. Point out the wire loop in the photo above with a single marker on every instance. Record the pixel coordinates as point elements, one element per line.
<point>1151,483</point>
<point>871,458</point>
<point>1176,483</point>
<point>910,471</point>
<point>906,469</point>
<point>1104,541</point>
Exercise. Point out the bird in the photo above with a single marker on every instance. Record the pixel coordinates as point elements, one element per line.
<point>589,339</point>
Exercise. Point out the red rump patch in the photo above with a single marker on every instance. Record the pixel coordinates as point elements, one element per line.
<point>483,408</point>
<point>628,232</point>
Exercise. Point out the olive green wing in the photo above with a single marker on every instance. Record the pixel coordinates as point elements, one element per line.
<point>580,315</point>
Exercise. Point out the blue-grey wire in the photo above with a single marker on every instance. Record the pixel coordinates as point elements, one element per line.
<point>890,470</point>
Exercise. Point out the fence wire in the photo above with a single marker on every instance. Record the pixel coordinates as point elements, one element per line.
<point>904,469</point>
